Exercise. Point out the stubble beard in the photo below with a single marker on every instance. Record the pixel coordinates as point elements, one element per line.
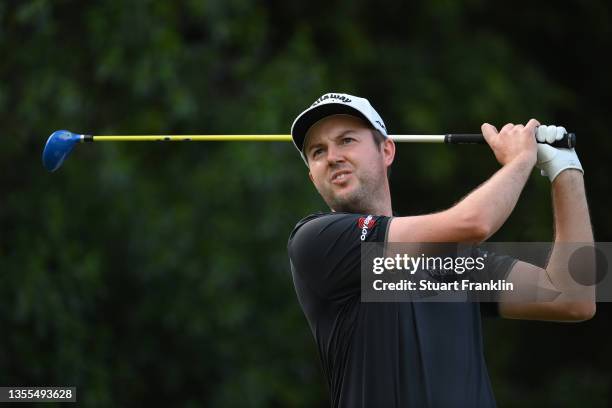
<point>361,200</point>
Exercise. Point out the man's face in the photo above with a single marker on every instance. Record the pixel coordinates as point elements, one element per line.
<point>347,167</point>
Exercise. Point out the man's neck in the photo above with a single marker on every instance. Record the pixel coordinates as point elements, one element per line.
<point>381,209</point>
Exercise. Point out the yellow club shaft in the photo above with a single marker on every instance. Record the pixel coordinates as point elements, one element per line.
<point>193,138</point>
<point>240,138</point>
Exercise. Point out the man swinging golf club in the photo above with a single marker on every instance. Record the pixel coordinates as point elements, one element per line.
<point>415,354</point>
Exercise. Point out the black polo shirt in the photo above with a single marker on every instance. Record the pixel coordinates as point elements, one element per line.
<point>405,354</point>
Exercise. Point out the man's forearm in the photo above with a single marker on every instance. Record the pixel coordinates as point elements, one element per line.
<point>572,231</point>
<point>572,220</point>
<point>493,201</point>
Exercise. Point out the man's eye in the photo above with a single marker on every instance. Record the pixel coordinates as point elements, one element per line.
<point>347,140</point>
<point>316,152</point>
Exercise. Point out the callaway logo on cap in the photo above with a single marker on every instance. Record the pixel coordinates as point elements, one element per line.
<point>334,104</point>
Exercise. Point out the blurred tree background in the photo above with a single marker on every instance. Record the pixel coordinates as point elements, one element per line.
<point>149,274</point>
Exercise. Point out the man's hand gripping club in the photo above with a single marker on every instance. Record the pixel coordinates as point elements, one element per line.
<point>512,142</point>
<point>552,161</point>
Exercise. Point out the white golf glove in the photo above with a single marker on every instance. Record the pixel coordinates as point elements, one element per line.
<point>553,160</point>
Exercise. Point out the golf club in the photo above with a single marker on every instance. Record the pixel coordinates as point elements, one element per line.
<point>61,142</point>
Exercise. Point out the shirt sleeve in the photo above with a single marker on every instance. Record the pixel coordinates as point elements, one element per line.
<point>325,251</point>
<point>497,267</point>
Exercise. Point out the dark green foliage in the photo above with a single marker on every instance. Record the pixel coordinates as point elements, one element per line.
<point>153,274</point>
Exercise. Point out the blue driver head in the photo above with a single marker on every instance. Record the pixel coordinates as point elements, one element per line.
<point>58,147</point>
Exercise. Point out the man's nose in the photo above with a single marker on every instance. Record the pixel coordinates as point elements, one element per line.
<point>334,154</point>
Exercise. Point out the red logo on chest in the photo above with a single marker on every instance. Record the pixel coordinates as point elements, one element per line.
<point>365,224</point>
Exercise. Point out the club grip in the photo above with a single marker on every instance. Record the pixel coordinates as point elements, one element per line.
<point>568,141</point>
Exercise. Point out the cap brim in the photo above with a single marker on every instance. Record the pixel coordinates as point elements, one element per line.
<point>312,116</point>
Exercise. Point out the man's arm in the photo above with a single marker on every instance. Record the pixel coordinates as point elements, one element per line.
<point>481,213</point>
<point>572,225</point>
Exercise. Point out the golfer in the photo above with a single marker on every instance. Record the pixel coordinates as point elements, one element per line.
<point>415,354</point>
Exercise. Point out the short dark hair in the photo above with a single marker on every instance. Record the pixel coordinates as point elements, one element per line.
<point>379,138</point>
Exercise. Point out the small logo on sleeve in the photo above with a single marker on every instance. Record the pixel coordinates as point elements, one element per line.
<point>366,224</point>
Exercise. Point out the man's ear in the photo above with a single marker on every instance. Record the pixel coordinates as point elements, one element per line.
<point>388,151</point>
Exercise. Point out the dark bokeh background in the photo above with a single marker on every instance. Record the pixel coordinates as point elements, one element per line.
<point>157,273</point>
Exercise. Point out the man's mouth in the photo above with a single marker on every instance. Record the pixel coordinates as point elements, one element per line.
<point>340,176</point>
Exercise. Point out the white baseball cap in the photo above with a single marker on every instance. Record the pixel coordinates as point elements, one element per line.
<point>334,104</point>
